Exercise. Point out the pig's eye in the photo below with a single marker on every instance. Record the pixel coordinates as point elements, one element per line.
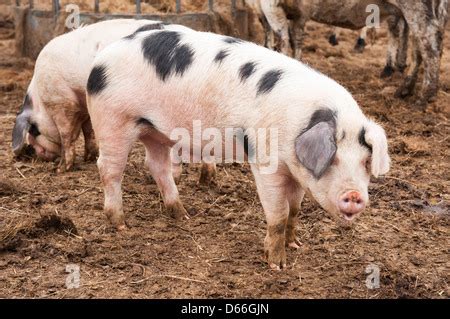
<point>335,161</point>
<point>34,131</point>
<point>367,164</point>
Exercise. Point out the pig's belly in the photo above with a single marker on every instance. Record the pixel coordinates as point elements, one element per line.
<point>199,127</point>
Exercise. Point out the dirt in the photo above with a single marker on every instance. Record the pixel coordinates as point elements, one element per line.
<point>49,220</point>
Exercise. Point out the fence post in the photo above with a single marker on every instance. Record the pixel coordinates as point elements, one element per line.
<point>55,7</point>
<point>97,6</point>
<point>30,2</point>
<point>233,7</point>
<point>138,6</point>
<point>178,6</point>
<point>211,5</point>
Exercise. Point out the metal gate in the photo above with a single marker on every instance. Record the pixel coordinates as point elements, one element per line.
<point>35,27</point>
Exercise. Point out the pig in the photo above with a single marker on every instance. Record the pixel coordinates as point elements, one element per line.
<point>54,109</point>
<point>426,19</point>
<point>149,88</point>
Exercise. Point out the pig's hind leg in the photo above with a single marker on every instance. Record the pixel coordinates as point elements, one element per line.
<point>158,161</point>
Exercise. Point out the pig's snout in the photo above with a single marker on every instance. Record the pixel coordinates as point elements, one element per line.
<point>351,204</point>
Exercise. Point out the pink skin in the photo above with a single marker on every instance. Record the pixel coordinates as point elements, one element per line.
<point>116,114</point>
<point>114,149</point>
<point>45,149</point>
<point>351,204</point>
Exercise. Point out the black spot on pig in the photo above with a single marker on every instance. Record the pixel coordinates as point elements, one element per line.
<point>97,80</point>
<point>143,121</point>
<point>268,81</point>
<point>231,40</point>
<point>33,130</point>
<point>164,51</point>
<point>362,139</point>
<point>147,27</point>
<point>221,55</point>
<point>246,70</point>
<point>322,115</point>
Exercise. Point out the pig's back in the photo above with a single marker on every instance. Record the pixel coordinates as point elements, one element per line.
<point>68,58</point>
<point>205,81</point>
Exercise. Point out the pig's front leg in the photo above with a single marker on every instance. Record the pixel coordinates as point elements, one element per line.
<point>295,196</point>
<point>90,146</point>
<point>272,193</point>
<point>208,173</point>
<point>68,123</point>
<point>177,170</point>
<point>114,147</point>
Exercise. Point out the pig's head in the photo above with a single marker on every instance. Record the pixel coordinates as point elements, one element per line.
<point>35,128</point>
<point>337,159</point>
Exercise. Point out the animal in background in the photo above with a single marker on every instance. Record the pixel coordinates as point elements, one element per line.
<point>426,19</point>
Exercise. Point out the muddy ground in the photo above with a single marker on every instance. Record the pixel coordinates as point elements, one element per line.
<point>48,221</point>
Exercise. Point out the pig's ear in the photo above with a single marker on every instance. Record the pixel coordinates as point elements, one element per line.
<point>316,148</point>
<point>376,138</point>
<point>20,130</point>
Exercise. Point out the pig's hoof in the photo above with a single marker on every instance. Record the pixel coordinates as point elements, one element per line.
<point>116,219</point>
<point>63,168</point>
<point>207,175</point>
<point>360,45</point>
<point>276,259</point>
<point>421,104</point>
<point>91,157</point>
<point>177,179</point>
<point>333,40</point>
<point>402,93</point>
<point>122,227</point>
<point>275,267</point>
<point>177,211</point>
<point>406,89</point>
<point>387,72</point>
<point>295,244</point>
